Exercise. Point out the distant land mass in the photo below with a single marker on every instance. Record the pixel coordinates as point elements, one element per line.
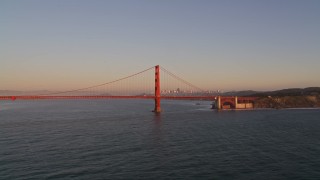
<point>18,93</point>
<point>285,98</point>
<point>290,92</point>
<point>289,98</point>
<point>44,92</point>
<point>282,92</point>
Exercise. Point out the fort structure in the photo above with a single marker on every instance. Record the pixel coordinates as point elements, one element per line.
<point>234,102</point>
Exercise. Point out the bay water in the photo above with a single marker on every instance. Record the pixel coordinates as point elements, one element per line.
<point>123,139</point>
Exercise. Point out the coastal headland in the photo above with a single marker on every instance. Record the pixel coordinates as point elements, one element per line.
<point>279,102</point>
<point>285,98</point>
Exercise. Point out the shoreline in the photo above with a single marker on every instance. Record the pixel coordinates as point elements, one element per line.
<point>252,109</point>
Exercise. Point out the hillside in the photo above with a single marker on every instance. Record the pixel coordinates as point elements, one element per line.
<point>285,98</point>
<point>307,101</point>
<point>290,92</point>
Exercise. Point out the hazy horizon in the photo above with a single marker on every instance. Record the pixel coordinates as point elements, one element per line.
<point>134,92</point>
<point>216,45</point>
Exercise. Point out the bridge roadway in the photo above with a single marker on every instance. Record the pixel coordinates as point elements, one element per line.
<point>221,102</point>
<point>107,97</point>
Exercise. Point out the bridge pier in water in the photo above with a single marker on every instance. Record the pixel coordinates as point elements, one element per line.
<point>157,107</point>
<point>218,103</point>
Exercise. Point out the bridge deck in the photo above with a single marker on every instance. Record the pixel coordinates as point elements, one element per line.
<point>106,97</point>
<point>121,97</point>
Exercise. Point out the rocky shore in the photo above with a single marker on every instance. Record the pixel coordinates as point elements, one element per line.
<point>308,101</point>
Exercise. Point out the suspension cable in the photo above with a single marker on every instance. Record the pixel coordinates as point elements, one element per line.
<point>180,79</point>
<point>80,89</point>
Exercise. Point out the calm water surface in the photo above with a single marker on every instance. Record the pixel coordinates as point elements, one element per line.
<point>122,139</point>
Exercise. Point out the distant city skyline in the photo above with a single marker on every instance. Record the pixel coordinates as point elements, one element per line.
<point>216,45</point>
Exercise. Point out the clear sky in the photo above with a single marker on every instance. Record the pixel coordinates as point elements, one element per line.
<point>228,45</point>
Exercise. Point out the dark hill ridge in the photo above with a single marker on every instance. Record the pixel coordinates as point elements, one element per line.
<point>282,92</point>
<point>289,98</point>
<point>285,98</point>
<point>290,92</point>
<point>240,93</point>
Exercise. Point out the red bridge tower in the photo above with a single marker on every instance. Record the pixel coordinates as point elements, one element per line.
<point>157,107</point>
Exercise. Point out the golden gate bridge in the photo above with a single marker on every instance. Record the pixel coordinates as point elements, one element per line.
<point>155,83</point>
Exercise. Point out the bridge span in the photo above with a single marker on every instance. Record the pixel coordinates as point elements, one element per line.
<point>219,102</point>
